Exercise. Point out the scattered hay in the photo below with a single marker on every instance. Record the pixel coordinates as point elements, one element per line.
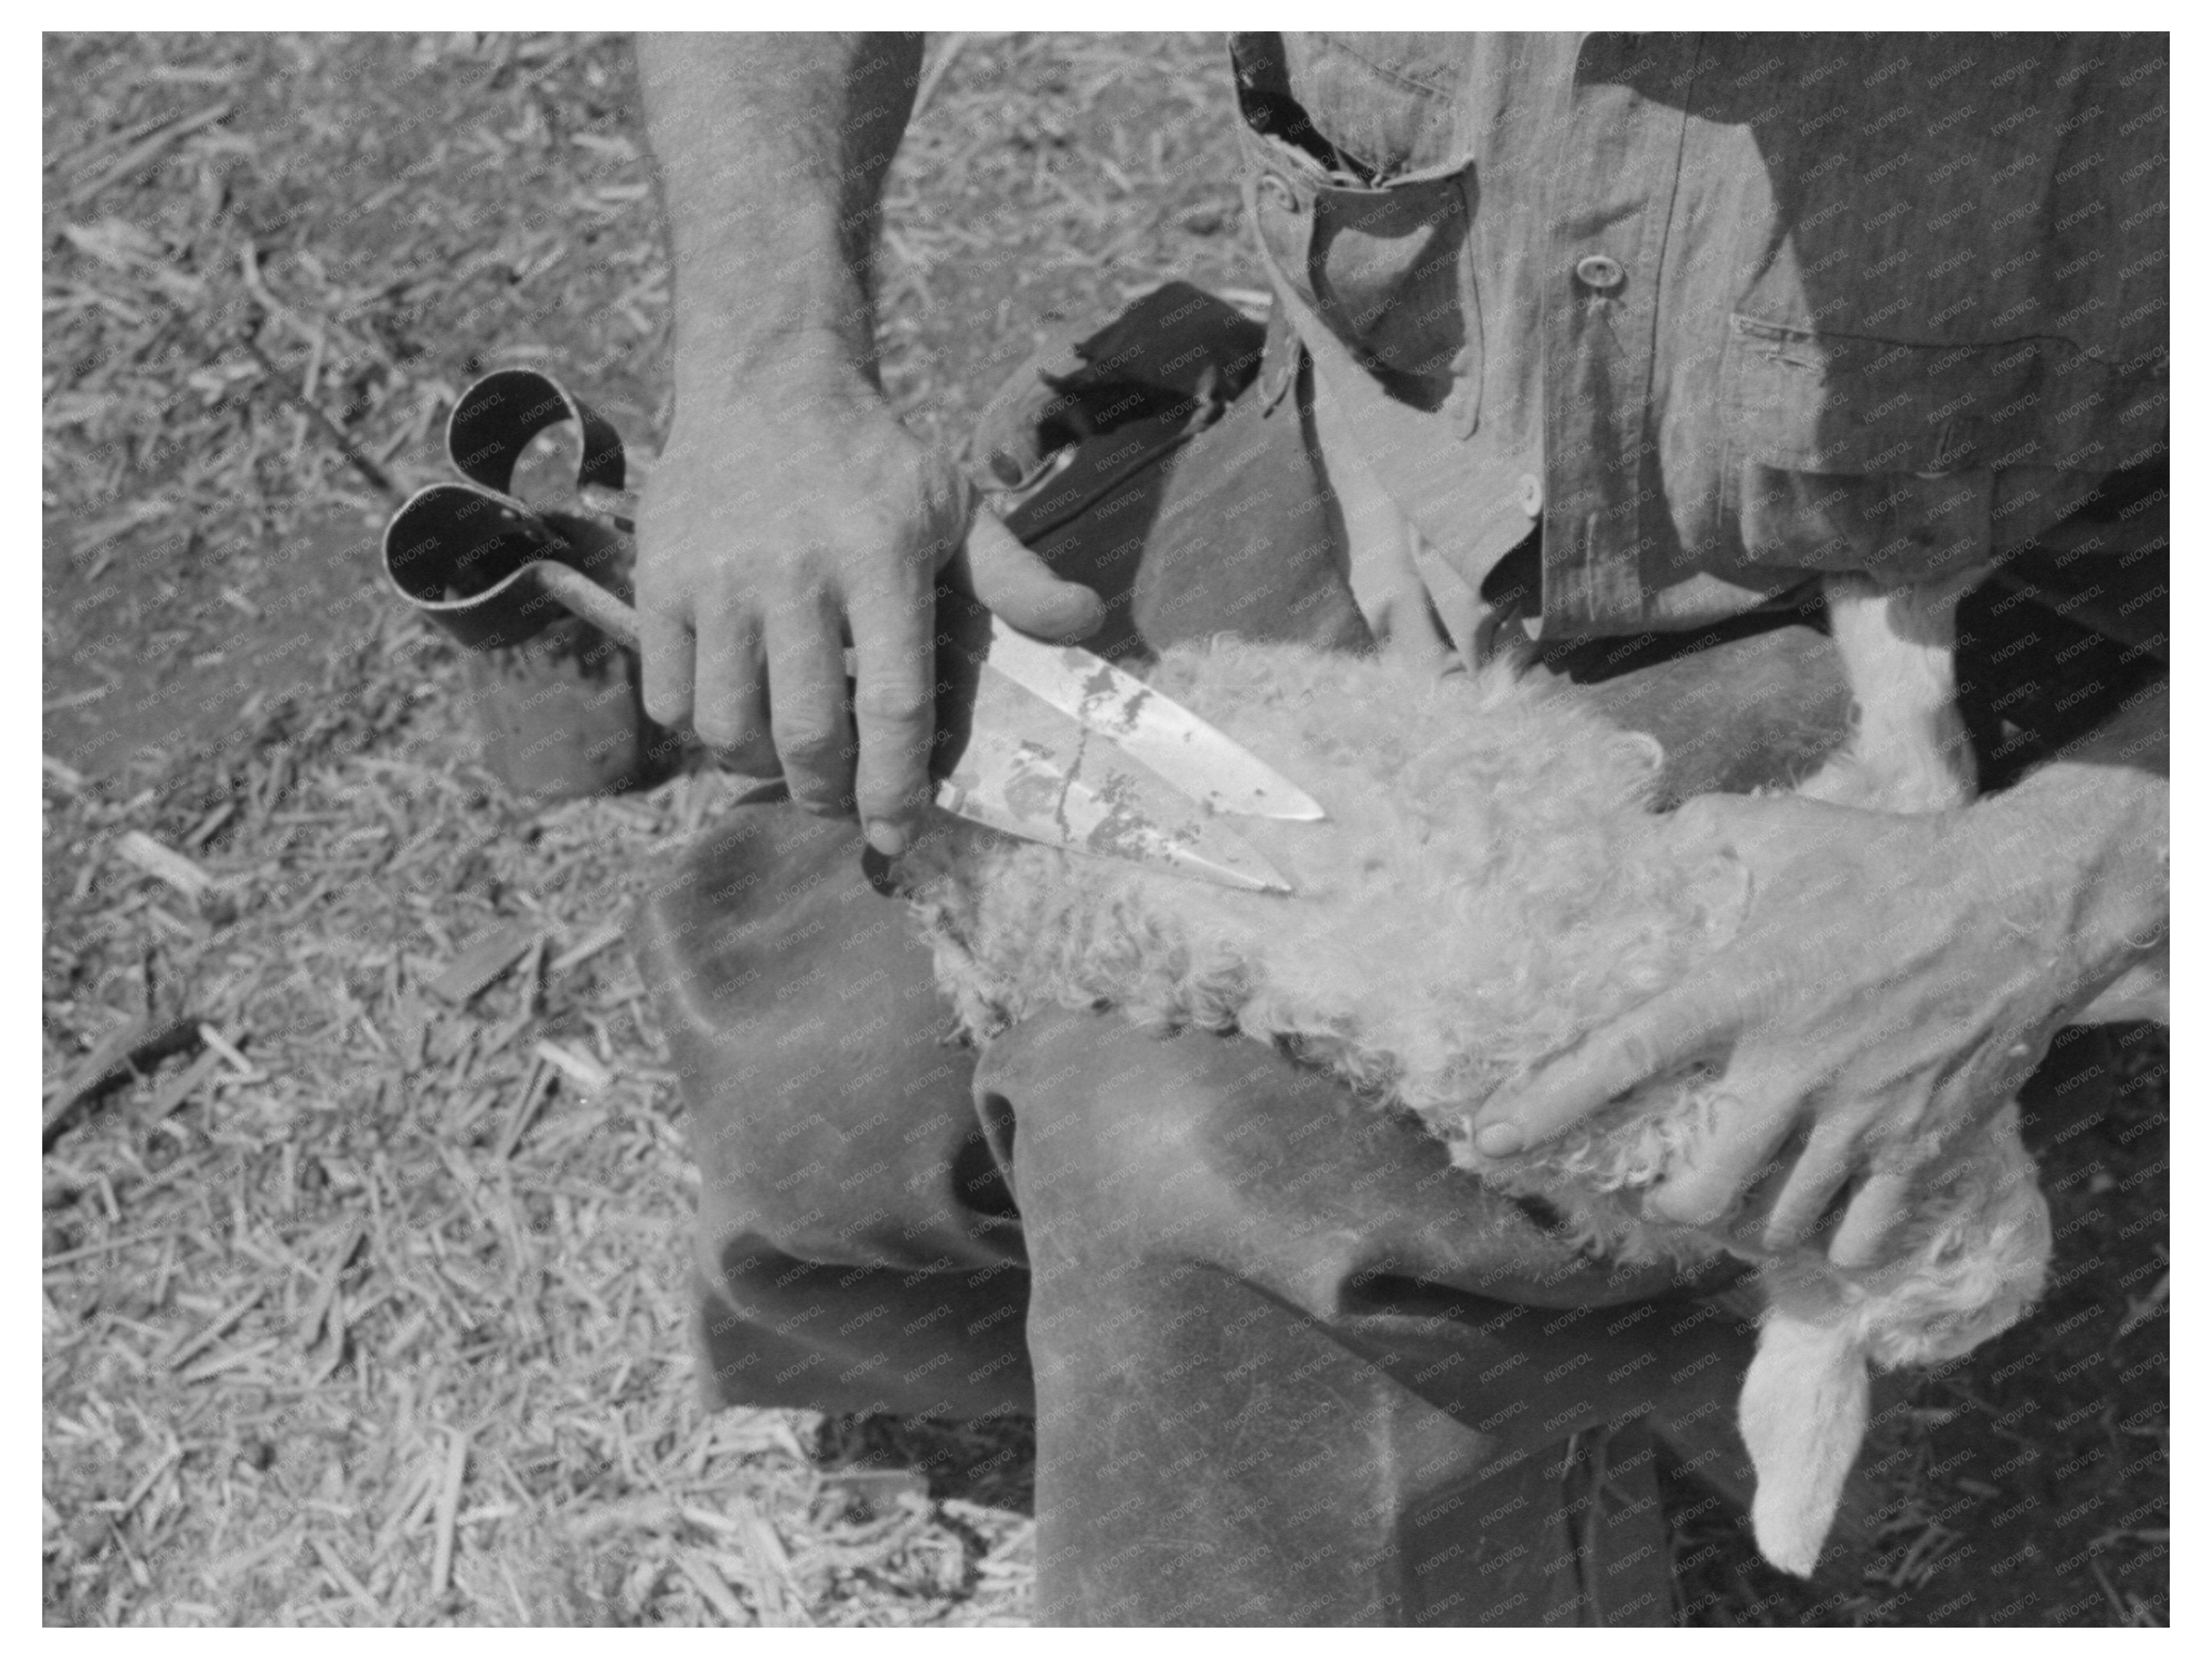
<point>374,1311</point>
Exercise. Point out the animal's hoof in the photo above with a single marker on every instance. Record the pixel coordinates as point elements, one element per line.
<point>1792,1549</point>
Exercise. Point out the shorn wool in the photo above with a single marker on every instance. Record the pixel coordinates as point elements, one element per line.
<point>1491,882</point>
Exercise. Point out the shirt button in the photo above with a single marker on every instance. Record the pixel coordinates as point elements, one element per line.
<point>1532,494</point>
<point>1599,273</point>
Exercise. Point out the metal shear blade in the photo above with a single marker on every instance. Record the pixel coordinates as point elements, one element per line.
<point>1031,770</point>
<point>1192,756</point>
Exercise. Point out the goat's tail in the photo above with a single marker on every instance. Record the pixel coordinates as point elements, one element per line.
<point>1803,1414</point>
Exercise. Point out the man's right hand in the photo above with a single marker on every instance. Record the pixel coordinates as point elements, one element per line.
<point>790,513</point>
<point>776,528</point>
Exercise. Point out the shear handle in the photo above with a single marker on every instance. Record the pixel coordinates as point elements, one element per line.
<point>584,597</point>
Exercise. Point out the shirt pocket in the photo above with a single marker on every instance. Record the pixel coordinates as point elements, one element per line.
<point>1389,271</point>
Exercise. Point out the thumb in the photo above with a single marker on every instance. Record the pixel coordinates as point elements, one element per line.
<point>1019,587</point>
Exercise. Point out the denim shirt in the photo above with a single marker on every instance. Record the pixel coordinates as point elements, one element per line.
<point>1721,311</point>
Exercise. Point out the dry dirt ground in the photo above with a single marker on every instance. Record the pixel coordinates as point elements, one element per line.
<point>364,1305</point>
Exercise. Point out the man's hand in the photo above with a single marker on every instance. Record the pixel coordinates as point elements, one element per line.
<point>769,535</point>
<point>790,512</point>
<point>1895,981</point>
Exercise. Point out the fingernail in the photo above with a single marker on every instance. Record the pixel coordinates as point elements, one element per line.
<point>1500,1140</point>
<point>886,838</point>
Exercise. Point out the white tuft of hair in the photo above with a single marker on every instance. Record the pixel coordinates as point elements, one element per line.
<point>1803,1415</point>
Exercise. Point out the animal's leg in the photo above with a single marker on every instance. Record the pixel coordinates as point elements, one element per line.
<point>1381,545</point>
<point>1802,1413</point>
<point>1980,1262</point>
<point>1803,1410</point>
<point>1909,750</point>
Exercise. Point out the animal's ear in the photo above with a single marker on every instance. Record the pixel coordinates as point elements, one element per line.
<point>1803,1414</point>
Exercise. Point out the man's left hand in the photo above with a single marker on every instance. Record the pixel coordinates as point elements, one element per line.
<point>1894,981</point>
